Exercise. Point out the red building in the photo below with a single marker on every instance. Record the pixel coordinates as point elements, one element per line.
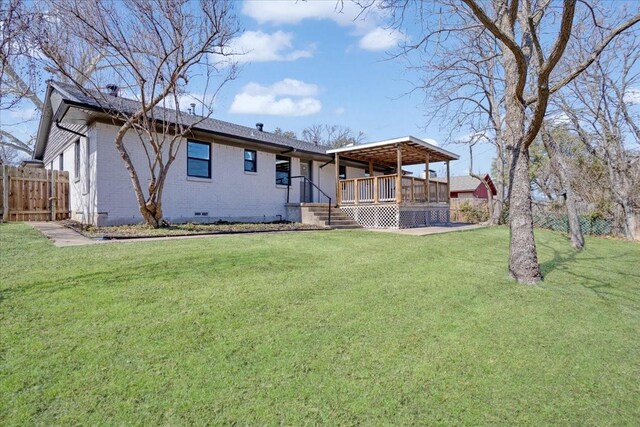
<point>468,187</point>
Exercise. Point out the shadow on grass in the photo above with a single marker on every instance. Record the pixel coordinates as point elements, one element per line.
<point>568,263</point>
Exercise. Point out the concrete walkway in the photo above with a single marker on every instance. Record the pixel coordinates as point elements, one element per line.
<point>61,235</point>
<point>424,231</point>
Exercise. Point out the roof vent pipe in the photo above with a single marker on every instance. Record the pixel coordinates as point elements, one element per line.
<point>113,89</point>
<point>193,108</point>
<point>259,126</point>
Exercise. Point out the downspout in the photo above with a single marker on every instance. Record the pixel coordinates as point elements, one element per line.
<point>59,126</point>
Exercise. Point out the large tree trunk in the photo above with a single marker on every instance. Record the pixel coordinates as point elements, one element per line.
<point>523,258</point>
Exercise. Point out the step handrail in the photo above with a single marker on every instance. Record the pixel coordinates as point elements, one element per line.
<point>315,186</point>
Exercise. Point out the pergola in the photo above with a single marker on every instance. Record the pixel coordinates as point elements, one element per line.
<point>393,153</point>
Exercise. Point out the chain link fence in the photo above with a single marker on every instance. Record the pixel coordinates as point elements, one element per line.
<point>553,216</point>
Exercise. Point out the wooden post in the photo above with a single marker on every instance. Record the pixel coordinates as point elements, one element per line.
<point>356,191</point>
<point>413,184</point>
<point>399,174</point>
<point>370,167</point>
<point>426,180</point>
<point>448,184</point>
<point>54,196</point>
<point>338,186</point>
<point>437,191</point>
<point>5,192</point>
<point>376,198</point>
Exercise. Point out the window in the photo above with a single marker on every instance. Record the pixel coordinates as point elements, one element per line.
<point>250,161</point>
<point>283,170</point>
<point>198,159</point>
<point>342,172</point>
<point>76,159</point>
<point>61,162</point>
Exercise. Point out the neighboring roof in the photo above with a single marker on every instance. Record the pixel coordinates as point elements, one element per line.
<point>75,97</point>
<point>467,183</point>
<point>414,152</point>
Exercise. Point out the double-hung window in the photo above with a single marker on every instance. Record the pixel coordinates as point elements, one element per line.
<point>283,170</point>
<point>250,161</point>
<point>198,159</point>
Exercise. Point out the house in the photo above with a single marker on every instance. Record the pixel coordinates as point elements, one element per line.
<point>468,187</point>
<point>224,171</point>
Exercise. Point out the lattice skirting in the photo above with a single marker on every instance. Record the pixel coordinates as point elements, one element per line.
<point>394,216</point>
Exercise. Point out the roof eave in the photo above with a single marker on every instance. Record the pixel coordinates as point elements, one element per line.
<point>400,140</point>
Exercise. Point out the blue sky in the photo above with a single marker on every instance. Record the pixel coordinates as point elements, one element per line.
<point>306,63</point>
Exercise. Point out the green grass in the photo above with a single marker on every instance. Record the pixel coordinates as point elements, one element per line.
<point>317,328</point>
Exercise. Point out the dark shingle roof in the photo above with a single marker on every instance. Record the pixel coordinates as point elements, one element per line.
<point>100,101</point>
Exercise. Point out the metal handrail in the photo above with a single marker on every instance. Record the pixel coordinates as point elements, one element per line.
<point>315,186</point>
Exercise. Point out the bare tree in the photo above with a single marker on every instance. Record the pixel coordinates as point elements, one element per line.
<point>601,107</point>
<point>333,136</point>
<point>22,71</point>
<point>286,133</point>
<point>531,39</point>
<point>152,49</point>
<point>559,161</point>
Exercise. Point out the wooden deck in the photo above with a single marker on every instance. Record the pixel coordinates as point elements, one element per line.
<point>381,189</point>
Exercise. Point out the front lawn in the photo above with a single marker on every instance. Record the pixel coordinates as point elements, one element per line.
<point>330,328</point>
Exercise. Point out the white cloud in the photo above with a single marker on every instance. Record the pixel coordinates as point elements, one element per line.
<point>382,39</point>
<point>23,114</point>
<point>560,119</point>
<point>288,97</point>
<point>366,24</point>
<point>632,96</point>
<point>257,46</point>
<point>283,87</point>
<point>293,12</point>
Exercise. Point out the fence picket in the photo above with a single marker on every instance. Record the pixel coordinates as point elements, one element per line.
<point>25,194</point>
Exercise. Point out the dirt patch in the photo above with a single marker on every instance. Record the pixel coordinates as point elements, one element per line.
<point>142,231</point>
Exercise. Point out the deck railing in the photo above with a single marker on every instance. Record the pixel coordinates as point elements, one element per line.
<point>382,189</point>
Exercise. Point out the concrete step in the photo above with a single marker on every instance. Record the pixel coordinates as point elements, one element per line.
<point>326,215</point>
<point>341,221</point>
<point>325,209</point>
<point>346,227</point>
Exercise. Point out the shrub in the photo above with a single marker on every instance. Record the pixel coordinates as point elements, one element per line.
<point>473,214</point>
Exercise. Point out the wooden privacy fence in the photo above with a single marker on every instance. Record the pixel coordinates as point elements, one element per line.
<point>32,194</point>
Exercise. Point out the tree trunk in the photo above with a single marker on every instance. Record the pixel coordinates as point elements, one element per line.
<point>560,168</point>
<point>630,225</point>
<point>523,259</point>
<point>575,231</point>
<point>498,208</point>
<point>152,214</point>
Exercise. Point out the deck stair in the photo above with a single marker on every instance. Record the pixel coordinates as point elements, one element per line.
<point>318,213</point>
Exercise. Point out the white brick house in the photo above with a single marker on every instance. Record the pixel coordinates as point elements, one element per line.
<point>215,184</point>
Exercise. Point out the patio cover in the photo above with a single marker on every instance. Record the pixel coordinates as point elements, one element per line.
<point>414,151</point>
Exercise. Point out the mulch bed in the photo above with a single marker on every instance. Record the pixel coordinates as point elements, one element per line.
<point>143,231</point>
